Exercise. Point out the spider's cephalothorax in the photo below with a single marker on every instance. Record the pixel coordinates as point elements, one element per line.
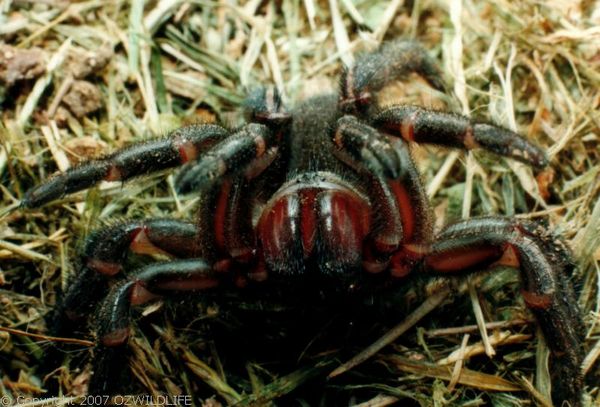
<point>321,197</point>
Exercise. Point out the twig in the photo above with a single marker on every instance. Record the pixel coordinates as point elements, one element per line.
<point>474,328</point>
<point>428,305</point>
<point>73,341</point>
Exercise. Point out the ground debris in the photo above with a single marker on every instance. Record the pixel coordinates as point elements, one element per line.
<point>20,64</point>
<point>83,98</point>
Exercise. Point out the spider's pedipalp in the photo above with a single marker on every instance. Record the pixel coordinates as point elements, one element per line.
<point>420,125</point>
<point>476,244</point>
<point>251,150</point>
<point>177,148</point>
<point>395,188</point>
<point>365,144</point>
<point>374,70</point>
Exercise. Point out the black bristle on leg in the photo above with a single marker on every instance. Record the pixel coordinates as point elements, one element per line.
<point>394,188</point>
<point>76,179</point>
<point>367,146</point>
<point>70,316</point>
<point>480,243</point>
<point>233,156</point>
<point>114,314</point>
<point>416,124</point>
<point>372,71</point>
<point>107,248</point>
<point>264,105</point>
<point>80,299</point>
<point>109,372</point>
<point>177,148</point>
<point>77,303</point>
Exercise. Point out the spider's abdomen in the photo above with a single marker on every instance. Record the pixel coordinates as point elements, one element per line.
<point>315,223</point>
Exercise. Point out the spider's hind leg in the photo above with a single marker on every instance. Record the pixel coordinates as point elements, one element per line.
<point>374,70</point>
<point>101,260</point>
<point>544,261</point>
<point>114,315</point>
<point>104,254</point>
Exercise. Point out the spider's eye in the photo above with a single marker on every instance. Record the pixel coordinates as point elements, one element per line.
<point>276,119</point>
<point>264,105</point>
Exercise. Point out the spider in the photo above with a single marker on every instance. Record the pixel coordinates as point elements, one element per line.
<point>324,197</point>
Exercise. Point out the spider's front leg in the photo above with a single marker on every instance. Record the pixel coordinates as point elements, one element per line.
<point>544,262</point>
<point>416,124</point>
<point>247,152</point>
<point>179,147</point>
<point>215,151</point>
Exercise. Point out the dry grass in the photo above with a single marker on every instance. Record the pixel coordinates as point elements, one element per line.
<point>102,74</point>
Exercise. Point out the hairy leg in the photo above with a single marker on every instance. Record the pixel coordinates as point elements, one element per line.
<point>247,152</point>
<point>374,70</point>
<point>179,147</point>
<point>251,149</point>
<point>114,315</point>
<point>264,105</point>
<point>543,260</point>
<point>416,124</point>
<point>103,256</point>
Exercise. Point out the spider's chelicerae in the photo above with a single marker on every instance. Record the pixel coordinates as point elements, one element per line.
<point>323,197</point>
